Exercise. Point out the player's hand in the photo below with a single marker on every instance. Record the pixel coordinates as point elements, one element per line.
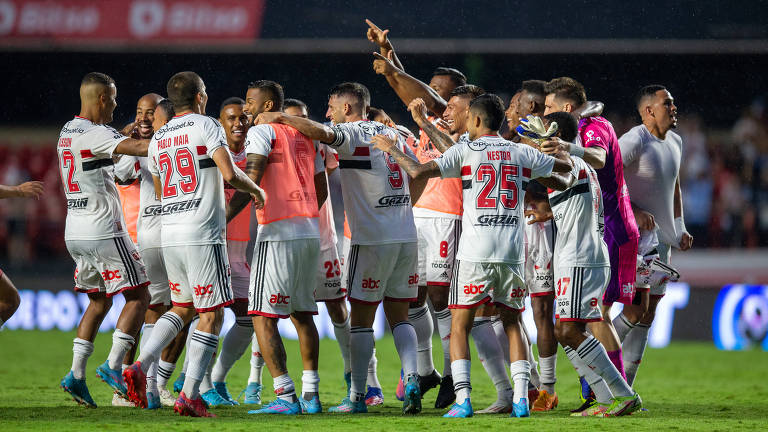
<point>686,241</point>
<point>258,199</point>
<point>384,65</point>
<point>533,127</point>
<point>540,211</point>
<point>418,110</point>
<point>645,220</point>
<point>32,189</point>
<point>383,143</point>
<point>268,117</point>
<point>554,145</point>
<point>131,129</point>
<point>377,35</point>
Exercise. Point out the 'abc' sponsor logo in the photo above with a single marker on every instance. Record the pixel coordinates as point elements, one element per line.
<point>593,302</point>
<point>496,220</point>
<point>110,275</point>
<point>473,289</point>
<point>278,299</point>
<point>174,287</point>
<point>201,290</point>
<point>517,293</point>
<point>413,279</point>
<point>371,284</point>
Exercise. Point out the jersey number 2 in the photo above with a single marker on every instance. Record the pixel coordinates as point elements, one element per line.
<point>507,186</point>
<point>68,166</point>
<point>184,165</point>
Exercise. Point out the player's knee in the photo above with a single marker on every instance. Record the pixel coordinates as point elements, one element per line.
<point>439,298</point>
<point>138,295</point>
<point>337,311</point>
<point>565,333</point>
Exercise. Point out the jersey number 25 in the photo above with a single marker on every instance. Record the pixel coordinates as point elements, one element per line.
<point>507,186</point>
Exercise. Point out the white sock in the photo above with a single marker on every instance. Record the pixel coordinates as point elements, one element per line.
<point>192,327</point>
<point>200,351</point>
<point>152,371</point>
<point>405,341</point>
<point>81,350</point>
<point>535,379</point>
<point>257,362</point>
<point>501,335</point>
<point>284,388</point>
<point>596,383</point>
<point>310,380</point>
<point>461,382</point>
<point>206,383</point>
<point>166,328</point>
<point>164,371</point>
<point>341,331</point>
<point>622,326</point>
<point>421,320</point>
<point>548,378</point>
<point>634,348</point>
<point>361,349</point>
<point>444,329</point>
<point>121,344</point>
<point>592,352</point>
<point>521,374</point>
<point>232,348</point>
<point>489,352</point>
<point>373,376</point>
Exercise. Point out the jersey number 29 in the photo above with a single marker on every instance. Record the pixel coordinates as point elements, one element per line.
<point>183,163</point>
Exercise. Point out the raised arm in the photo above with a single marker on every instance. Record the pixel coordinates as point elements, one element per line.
<point>133,147</point>
<point>441,140</point>
<point>379,37</point>
<point>31,189</point>
<point>415,170</point>
<point>407,87</point>
<point>309,128</point>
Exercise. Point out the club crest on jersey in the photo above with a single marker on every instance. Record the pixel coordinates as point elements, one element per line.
<point>497,220</point>
<point>394,201</point>
<point>136,255</point>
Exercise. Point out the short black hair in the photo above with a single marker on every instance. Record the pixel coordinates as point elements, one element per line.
<point>355,90</point>
<point>97,78</point>
<point>534,87</point>
<point>291,102</point>
<point>647,91</point>
<point>567,126</point>
<point>166,106</point>
<point>234,100</point>
<point>375,112</point>
<point>183,88</point>
<point>458,78</point>
<point>490,108</point>
<point>567,88</point>
<point>468,90</point>
<point>273,89</point>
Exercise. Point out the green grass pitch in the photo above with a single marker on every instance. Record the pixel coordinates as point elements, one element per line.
<point>687,386</point>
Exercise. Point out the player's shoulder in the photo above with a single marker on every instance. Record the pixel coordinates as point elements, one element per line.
<point>634,135</point>
<point>675,138</point>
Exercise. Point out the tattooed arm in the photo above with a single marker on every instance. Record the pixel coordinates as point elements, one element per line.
<point>417,171</point>
<point>255,170</point>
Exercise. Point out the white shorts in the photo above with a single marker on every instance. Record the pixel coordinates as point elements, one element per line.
<point>476,283</point>
<point>159,293</point>
<point>282,279</point>
<point>438,241</point>
<point>328,286</point>
<point>345,246</point>
<point>108,266</point>
<point>579,292</point>
<point>539,274</point>
<point>382,272</point>
<point>199,276</point>
<point>241,271</point>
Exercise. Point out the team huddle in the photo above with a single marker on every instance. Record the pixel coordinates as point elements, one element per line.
<point>559,209</point>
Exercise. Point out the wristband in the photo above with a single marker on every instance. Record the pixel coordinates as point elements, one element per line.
<point>679,227</point>
<point>576,150</point>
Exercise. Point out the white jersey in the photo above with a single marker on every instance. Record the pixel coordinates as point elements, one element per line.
<point>377,199</point>
<point>578,217</point>
<point>85,153</point>
<point>328,238</point>
<point>148,221</point>
<point>651,167</point>
<point>192,186</point>
<point>494,173</point>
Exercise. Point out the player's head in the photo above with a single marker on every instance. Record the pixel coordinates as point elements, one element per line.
<point>145,114</point>
<point>164,112</point>
<point>532,97</point>
<point>564,94</point>
<point>457,110</point>
<point>186,91</point>
<point>348,101</point>
<point>234,121</point>
<point>445,79</point>
<point>486,114</point>
<point>264,96</point>
<point>657,107</point>
<point>567,126</point>
<point>296,108</point>
<point>381,116</point>
<point>511,114</point>
<point>98,94</point>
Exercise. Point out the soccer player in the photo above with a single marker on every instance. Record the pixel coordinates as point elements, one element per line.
<point>189,161</point>
<point>383,254</point>
<point>235,123</point>
<point>582,271</point>
<point>289,167</point>
<point>106,258</point>
<point>488,266</point>
<point>651,153</point>
<point>598,145</point>
<point>9,296</point>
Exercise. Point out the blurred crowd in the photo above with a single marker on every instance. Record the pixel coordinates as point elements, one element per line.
<point>724,178</point>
